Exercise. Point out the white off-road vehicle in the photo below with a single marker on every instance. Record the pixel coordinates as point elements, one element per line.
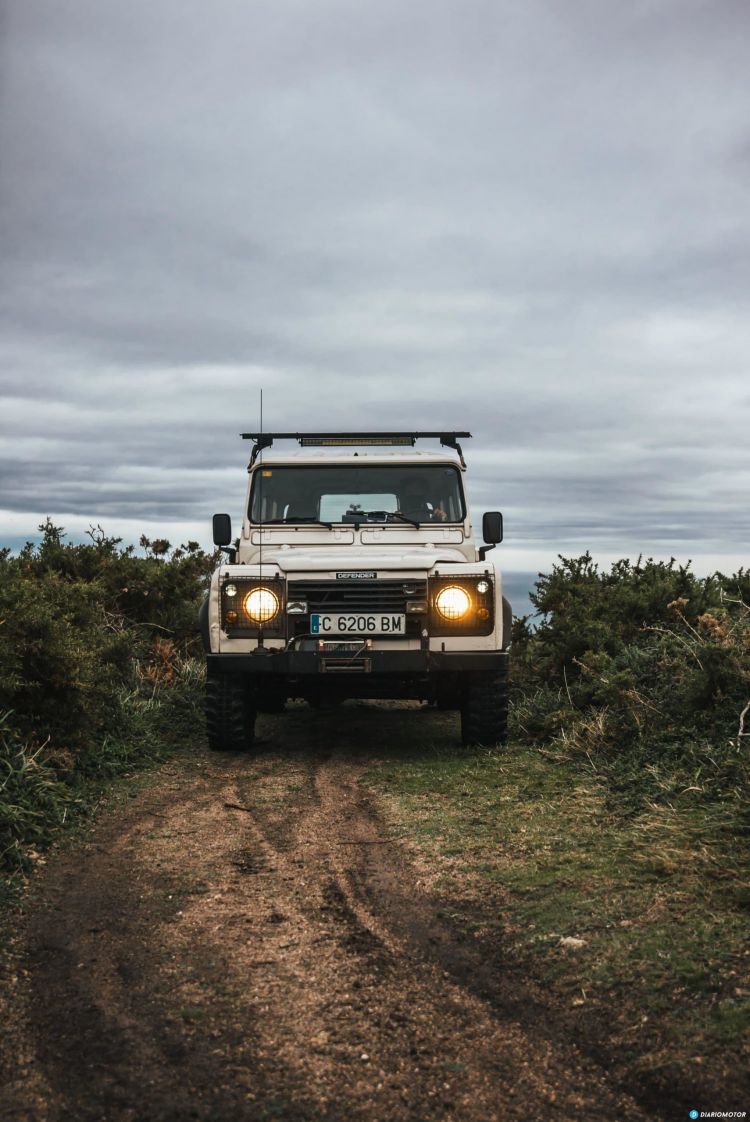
<point>356,575</point>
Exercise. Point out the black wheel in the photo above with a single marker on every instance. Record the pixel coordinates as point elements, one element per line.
<point>230,716</point>
<point>448,699</point>
<point>484,712</point>
<point>270,701</point>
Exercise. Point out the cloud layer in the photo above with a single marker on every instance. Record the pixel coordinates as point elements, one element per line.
<point>527,220</point>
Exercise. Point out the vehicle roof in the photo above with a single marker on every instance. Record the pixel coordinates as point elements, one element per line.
<point>399,456</point>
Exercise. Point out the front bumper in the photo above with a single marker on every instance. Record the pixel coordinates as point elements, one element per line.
<point>398,664</point>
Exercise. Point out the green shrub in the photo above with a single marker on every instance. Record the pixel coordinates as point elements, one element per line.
<point>98,671</point>
<point>643,670</point>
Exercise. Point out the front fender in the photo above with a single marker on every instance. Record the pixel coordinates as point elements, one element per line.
<point>203,625</point>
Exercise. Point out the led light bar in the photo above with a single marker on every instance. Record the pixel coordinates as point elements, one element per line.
<point>351,441</point>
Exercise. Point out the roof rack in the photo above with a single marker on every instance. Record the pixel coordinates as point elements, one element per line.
<point>351,439</point>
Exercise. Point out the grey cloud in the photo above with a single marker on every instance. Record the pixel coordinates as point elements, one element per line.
<point>527,220</point>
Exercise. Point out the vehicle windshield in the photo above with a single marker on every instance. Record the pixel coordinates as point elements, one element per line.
<point>350,493</point>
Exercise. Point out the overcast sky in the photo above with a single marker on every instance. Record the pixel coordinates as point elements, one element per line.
<point>530,220</point>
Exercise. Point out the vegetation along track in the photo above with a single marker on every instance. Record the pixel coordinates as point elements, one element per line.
<point>241,939</point>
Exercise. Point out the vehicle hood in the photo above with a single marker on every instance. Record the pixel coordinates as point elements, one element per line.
<point>348,559</point>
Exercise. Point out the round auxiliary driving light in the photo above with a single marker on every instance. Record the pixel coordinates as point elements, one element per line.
<point>230,590</point>
<point>483,586</point>
<point>453,602</point>
<point>261,605</point>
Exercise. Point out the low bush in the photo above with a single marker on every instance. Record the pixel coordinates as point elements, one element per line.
<point>98,672</point>
<point>644,671</point>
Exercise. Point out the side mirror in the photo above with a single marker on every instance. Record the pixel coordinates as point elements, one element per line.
<point>223,529</point>
<point>492,527</point>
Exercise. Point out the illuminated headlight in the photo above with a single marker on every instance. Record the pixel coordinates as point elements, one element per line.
<point>261,605</point>
<point>230,590</point>
<point>483,586</point>
<point>453,602</point>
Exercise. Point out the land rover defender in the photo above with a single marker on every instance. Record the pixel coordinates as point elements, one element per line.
<point>356,575</point>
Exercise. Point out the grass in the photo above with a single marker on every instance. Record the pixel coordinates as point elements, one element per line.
<point>44,796</point>
<point>639,918</point>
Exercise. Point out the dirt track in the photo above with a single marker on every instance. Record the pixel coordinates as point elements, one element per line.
<point>194,960</point>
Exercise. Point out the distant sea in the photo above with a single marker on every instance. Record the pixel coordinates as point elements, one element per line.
<point>517,586</point>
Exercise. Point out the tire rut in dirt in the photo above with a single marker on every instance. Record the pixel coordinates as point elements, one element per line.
<point>379,881</point>
<point>259,948</point>
<point>130,1015</point>
<point>110,1040</point>
<point>422,996</point>
<point>353,935</point>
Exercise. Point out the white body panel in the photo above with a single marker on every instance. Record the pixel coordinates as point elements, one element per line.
<point>390,550</point>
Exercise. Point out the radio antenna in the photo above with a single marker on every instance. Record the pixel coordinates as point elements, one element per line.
<point>260,507</point>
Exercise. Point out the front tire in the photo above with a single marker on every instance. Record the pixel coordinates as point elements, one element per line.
<point>270,701</point>
<point>484,711</point>
<point>230,715</point>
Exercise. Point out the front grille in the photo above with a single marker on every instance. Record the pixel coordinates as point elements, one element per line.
<point>357,596</point>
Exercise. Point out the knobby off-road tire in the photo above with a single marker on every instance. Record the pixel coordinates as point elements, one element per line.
<point>484,712</point>
<point>270,701</point>
<point>230,715</point>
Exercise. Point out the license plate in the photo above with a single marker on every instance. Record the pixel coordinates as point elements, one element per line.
<point>358,623</point>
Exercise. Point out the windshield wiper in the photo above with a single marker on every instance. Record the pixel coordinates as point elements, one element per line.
<point>387,514</point>
<point>290,522</point>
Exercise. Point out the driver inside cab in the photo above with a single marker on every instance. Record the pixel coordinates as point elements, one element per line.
<point>415,503</point>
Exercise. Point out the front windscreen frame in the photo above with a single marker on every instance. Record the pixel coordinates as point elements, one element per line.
<point>299,494</point>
